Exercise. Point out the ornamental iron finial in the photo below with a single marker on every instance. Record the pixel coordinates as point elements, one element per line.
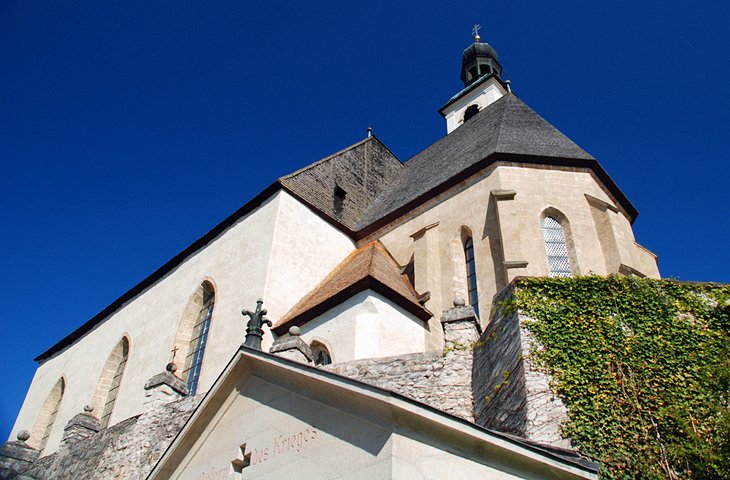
<point>475,32</point>
<point>254,330</point>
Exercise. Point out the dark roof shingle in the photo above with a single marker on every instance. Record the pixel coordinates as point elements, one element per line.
<point>505,126</point>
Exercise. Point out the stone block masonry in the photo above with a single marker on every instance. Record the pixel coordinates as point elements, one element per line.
<point>510,393</point>
<point>439,379</point>
<point>128,450</point>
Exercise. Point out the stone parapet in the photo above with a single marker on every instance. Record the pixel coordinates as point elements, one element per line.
<point>16,456</point>
<point>80,427</point>
<point>292,347</point>
<point>442,380</point>
<point>128,450</point>
<point>165,387</point>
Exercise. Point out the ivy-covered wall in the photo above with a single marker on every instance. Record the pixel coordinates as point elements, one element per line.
<point>643,366</point>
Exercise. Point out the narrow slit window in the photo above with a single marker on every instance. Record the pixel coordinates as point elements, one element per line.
<point>196,350</point>
<point>471,275</point>
<point>339,200</point>
<point>556,248</point>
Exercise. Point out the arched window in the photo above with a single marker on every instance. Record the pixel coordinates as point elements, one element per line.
<point>47,416</point>
<point>556,248</point>
<point>471,274</point>
<point>205,299</point>
<point>470,112</point>
<point>321,354</point>
<point>110,381</point>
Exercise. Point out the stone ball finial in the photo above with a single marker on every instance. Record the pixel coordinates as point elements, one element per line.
<point>459,301</point>
<point>171,367</point>
<point>295,331</point>
<point>88,408</point>
<point>23,435</point>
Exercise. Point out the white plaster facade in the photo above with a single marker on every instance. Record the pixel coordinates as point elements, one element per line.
<point>367,325</point>
<point>263,255</point>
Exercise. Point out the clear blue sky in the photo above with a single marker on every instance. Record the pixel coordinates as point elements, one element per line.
<point>129,129</point>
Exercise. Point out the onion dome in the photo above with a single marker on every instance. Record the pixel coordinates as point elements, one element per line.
<point>479,59</point>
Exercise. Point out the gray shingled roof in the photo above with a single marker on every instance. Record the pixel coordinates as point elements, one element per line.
<point>505,126</point>
<point>362,171</point>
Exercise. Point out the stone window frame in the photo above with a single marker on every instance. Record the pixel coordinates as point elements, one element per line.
<point>47,416</point>
<point>562,219</point>
<point>110,380</point>
<point>185,330</point>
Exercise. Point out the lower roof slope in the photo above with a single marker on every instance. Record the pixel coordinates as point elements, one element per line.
<point>369,267</point>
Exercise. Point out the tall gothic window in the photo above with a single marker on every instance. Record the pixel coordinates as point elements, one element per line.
<point>196,348</point>
<point>471,274</point>
<point>47,416</point>
<point>556,248</point>
<point>110,380</point>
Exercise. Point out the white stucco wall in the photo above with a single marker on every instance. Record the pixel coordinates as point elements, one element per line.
<point>305,249</point>
<point>488,92</point>
<point>267,254</point>
<point>367,325</point>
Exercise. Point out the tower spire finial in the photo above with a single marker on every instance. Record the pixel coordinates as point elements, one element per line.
<point>475,32</point>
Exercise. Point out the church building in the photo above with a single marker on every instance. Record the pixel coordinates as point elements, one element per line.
<point>360,278</point>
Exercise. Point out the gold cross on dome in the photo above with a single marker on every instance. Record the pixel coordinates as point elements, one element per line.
<point>475,32</point>
<point>240,463</point>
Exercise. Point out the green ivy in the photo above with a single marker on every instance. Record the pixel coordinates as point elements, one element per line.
<point>643,366</point>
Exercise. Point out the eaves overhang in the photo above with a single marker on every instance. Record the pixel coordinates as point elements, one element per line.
<point>366,283</point>
<point>505,158</point>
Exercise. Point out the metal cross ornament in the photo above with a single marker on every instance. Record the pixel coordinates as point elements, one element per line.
<point>475,32</point>
<point>174,353</point>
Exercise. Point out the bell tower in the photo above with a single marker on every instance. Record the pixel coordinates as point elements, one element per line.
<point>481,73</point>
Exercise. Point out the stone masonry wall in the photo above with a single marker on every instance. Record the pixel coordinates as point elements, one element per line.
<point>439,379</point>
<point>510,394</point>
<point>128,450</point>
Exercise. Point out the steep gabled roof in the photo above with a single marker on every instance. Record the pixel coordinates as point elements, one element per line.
<point>361,172</point>
<point>369,267</point>
<point>506,126</point>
